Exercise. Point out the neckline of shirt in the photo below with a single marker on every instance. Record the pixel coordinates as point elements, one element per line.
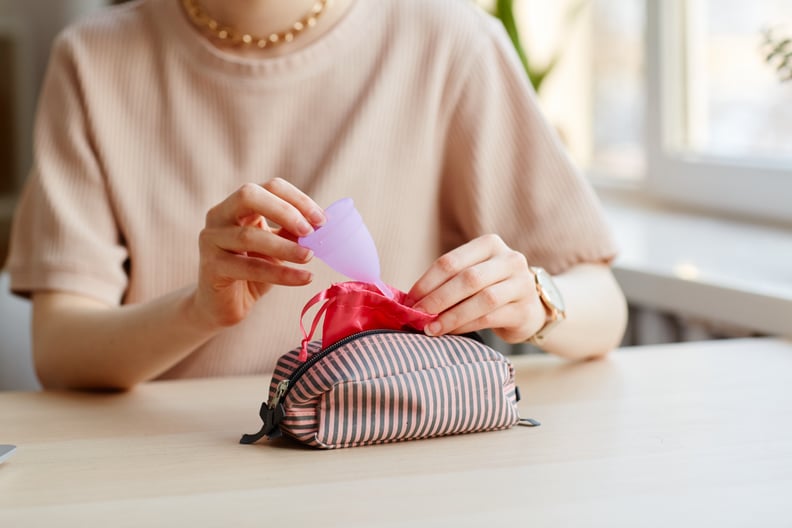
<point>176,27</point>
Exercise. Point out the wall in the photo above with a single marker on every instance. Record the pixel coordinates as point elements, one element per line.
<point>27,29</point>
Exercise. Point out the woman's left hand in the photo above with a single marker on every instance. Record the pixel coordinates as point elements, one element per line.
<point>481,284</point>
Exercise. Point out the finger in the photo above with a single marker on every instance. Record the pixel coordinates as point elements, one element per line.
<point>301,201</point>
<point>452,263</point>
<point>464,284</point>
<point>244,268</point>
<point>285,234</point>
<point>511,315</point>
<point>252,199</point>
<point>483,304</point>
<point>254,241</point>
<point>254,220</point>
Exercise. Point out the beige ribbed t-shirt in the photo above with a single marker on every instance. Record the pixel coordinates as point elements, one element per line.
<point>417,109</point>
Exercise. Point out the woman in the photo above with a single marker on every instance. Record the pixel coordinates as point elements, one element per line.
<point>228,124</point>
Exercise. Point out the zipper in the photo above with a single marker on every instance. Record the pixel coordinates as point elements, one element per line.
<point>273,411</point>
<point>284,386</point>
<point>280,390</point>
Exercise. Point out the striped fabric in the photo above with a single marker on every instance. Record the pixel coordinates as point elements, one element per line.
<point>389,387</point>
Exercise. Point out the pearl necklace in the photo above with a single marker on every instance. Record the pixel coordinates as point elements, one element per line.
<point>203,21</point>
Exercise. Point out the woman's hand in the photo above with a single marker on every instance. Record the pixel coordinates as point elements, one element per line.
<point>481,284</point>
<point>241,257</point>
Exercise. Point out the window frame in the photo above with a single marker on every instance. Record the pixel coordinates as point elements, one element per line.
<point>754,187</point>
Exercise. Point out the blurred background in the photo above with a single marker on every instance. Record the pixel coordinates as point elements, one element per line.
<point>679,111</point>
<point>598,66</point>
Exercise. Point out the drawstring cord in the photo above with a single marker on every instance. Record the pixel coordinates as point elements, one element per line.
<point>307,336</point>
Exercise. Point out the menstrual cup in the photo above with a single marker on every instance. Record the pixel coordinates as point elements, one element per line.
<point>345,244</point>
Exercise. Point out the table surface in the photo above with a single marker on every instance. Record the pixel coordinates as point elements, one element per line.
<point>692,434</point>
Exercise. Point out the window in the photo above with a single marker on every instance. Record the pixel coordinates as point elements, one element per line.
<point>719,116</point>
<point>618,89</point>
<point>734,105</point>
<point>680,99</point>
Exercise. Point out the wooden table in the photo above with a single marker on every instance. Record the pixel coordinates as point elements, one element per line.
<point>691,435</point>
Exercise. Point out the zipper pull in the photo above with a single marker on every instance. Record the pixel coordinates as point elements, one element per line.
<point>279,392</point>
<point>271,414</point>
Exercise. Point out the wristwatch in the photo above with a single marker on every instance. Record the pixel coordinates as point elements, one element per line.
<point>551,299</point>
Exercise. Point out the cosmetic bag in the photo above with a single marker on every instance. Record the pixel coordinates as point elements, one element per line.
<point>381,385</point>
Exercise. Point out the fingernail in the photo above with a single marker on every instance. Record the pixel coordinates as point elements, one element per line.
<point>317,218</point>
<point>304,228</point>
<point>306,255</point>
<point>432,329</point>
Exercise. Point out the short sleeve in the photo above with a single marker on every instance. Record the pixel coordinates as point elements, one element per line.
<point>505,170</point>
<point>64,234</point>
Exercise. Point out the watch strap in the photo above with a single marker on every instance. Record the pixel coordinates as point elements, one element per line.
<point>554,317</point>
<point>539,337</point>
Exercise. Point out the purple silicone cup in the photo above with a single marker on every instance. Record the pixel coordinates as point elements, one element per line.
<point>345,244</point>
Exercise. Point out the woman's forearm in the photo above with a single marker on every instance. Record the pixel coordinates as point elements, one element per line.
<point>79,343</point>
<point>596,313</point>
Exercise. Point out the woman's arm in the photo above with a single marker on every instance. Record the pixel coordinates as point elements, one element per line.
<point>486,284</point>
<point>82,343</point>
<point>596,313</point>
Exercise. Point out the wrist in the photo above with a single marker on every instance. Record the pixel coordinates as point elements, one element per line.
<point>196,316</point>
<point>552,302</point>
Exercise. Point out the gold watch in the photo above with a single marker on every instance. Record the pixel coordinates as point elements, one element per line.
<point>551,299</point>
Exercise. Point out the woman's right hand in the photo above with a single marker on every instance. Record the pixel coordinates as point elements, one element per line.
<point>241,257</point>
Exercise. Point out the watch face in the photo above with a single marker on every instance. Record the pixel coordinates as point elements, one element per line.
<point>549,290</point>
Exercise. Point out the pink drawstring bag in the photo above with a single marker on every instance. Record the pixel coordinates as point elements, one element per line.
<point>353,307</point>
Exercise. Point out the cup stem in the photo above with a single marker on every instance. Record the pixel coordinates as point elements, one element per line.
<point>384,289</point>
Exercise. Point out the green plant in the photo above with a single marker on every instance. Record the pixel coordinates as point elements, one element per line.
<point>778,54</point>
<point>504,10</point>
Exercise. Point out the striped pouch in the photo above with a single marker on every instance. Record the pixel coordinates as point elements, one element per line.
<point>381,386</point>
